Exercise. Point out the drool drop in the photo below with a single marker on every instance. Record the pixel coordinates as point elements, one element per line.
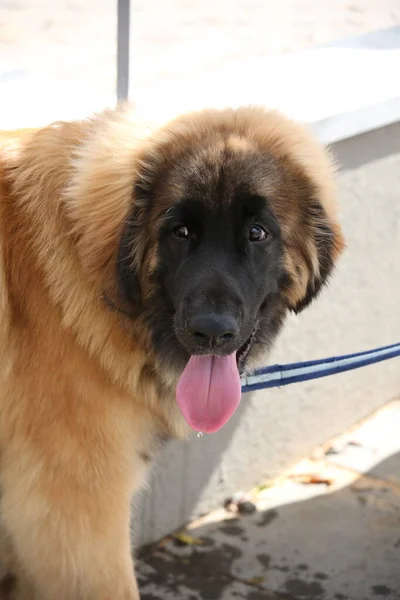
<point>199,435</point>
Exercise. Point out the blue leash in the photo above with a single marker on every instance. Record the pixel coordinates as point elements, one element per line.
<point>279,375</point>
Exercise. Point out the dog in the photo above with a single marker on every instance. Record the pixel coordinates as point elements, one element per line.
<point>142,273</point>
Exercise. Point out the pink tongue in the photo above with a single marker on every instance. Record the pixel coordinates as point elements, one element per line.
<point>209,391</point>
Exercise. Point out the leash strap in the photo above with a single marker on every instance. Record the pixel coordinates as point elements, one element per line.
<point>280,375</point>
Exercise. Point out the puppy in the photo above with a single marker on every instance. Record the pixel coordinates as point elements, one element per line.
<point>141,274</point>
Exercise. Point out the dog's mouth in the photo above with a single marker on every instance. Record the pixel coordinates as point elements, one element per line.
<point>209,389</point>
<point>244,350</point>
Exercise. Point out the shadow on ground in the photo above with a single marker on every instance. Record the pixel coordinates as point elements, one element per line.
<point>304,541</point>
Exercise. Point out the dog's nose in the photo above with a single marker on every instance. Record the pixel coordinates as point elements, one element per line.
<point>213,330</point>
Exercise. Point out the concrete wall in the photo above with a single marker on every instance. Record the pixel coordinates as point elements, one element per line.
<point>360,310</point>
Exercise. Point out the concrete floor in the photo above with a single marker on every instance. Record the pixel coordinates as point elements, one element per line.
<point>170,37</point>
<point>329,529</point>
<point>58,57</point>
<point>75,42</point>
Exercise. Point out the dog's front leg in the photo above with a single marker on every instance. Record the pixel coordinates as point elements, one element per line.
<point>69,526</point>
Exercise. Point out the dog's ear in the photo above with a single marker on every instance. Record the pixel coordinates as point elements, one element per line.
<point>311,257</point>
<point>128,261</point>
<point>109,188</point>
<point>123,287</point>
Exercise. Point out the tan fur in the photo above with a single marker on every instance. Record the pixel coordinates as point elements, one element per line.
<point>79,384</point>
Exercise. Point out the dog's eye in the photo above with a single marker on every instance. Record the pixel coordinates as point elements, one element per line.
<point>181,231</point>
<point>257,234</point>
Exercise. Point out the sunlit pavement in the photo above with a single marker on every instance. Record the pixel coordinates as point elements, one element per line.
<point>328,529</point>
<point>58,58</point>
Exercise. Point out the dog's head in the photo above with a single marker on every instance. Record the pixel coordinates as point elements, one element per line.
<point>231,224</point>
